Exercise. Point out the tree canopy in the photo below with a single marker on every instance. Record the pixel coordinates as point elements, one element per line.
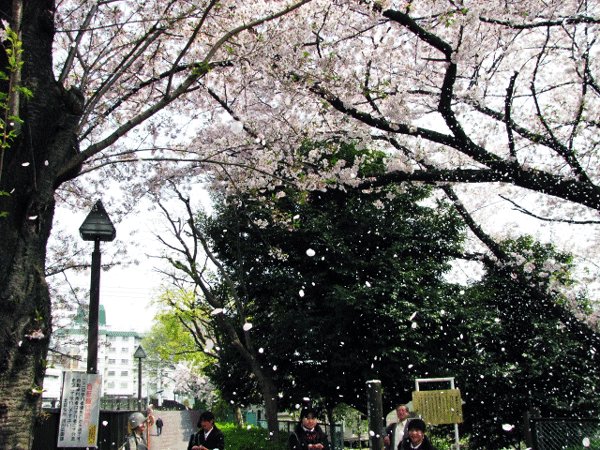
<point>479,94</point>
<point>343,288</point>
<point>333,291</point>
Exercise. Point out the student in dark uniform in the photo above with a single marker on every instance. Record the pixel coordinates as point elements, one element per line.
<point>209,437</point>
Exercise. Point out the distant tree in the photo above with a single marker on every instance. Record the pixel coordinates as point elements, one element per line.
<point>212,302</point>
<point>179,332</point>
<point>191,381</point>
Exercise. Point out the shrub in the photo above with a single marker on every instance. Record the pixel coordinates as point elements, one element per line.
<point>250,438</point>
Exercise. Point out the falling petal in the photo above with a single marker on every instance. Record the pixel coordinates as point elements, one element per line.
<point>25,164</point>
<point>237,127</point>
<point>310,252</point>
<point>247,326</point>
<point>216,311</point>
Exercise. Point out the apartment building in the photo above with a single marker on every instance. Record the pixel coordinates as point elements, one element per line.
<point>116,363</point>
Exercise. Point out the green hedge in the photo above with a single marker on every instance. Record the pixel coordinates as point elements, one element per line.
<point>250,438</point>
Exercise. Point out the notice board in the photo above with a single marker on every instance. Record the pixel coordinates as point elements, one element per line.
<point>439,407</point>
<point>80,410</point>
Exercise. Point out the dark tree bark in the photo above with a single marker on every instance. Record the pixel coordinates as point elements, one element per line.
<point>45,143</point>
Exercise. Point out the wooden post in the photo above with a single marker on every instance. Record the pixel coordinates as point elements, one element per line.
<point>375,414</point>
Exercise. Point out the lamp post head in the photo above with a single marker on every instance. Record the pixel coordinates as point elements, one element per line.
<point>140,353</point>
<point>97,225</point>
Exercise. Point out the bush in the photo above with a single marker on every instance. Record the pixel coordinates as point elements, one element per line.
<point>250,438</point>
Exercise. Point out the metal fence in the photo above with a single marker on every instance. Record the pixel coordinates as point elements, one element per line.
<point>121,404</point>
<point>565,434</point>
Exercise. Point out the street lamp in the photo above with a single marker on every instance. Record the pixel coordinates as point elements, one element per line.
<point>139,354</point>
<point>96,227</point>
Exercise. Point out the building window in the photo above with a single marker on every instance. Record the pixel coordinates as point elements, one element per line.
<point>124,385</point>
<point>112,350</point>
<point>124,373</point>
<point>112,361</point>
<point>111,373</point>
<point>124,361</point>
<point>125,350</point>
<point>110,384</point>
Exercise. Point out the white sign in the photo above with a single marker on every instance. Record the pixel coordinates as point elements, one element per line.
<point>80,410</point>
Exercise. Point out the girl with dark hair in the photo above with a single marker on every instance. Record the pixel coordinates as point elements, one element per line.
<point>308,435</point>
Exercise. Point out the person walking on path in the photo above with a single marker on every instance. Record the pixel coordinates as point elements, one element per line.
<point>209,437</point>
<point>159,425</point>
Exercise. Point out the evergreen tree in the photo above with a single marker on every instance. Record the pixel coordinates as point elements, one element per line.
<point>335,277</point>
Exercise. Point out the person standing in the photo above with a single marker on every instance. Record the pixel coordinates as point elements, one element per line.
<point>308,435</point>
<point>159,425</point>
<point>416,439</point>
<point>395,432</point>
<point>209,437</point>
<point>135,439</point>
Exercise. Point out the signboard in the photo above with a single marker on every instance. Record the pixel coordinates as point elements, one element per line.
<point>80,409</point>
<point>439,407</point>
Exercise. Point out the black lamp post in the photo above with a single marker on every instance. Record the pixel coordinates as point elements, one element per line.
<point>96,227</point>
<point>139,354</point>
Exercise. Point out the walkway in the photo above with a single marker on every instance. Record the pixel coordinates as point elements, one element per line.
<point>177,428</point>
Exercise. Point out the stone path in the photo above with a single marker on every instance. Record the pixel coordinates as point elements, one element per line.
<point>177,428</point>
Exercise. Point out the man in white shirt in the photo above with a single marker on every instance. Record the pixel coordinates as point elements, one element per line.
<point>394,433</point>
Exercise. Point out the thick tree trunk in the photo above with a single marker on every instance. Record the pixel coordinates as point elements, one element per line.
<point>238,419</point>
<point>268,389</point>
<point>28,182</point>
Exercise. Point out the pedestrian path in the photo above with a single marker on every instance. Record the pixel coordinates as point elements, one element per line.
<point>176,431</point>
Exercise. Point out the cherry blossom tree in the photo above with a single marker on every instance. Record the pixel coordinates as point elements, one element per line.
<point>482,95</point>
<point>88,88</point>
<point>189,381</point>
